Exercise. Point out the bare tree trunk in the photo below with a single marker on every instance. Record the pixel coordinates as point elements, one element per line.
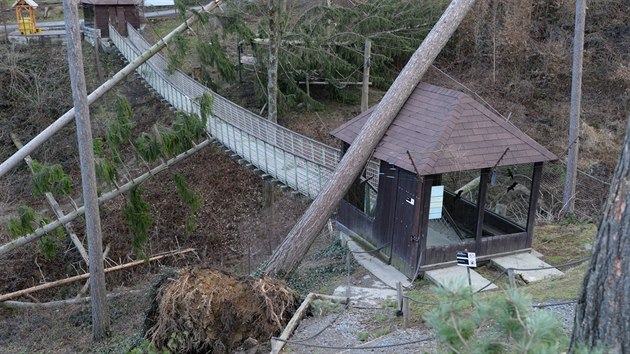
<point>365,90</point>
<point>4,20</point>
<point>602,316</point>
<point>289,254</point>
<point>568,198</point>
<point>97,56</point>
<point>100,315</point>
<point>272,70</point>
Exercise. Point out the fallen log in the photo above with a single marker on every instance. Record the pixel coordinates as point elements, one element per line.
<point>277,345</point>
<point>20,241</point>
<point>52,304</point>
<point>54,205</point>
<point>87,275</point>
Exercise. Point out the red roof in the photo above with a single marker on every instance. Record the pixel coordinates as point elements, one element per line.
<point>447,131</point>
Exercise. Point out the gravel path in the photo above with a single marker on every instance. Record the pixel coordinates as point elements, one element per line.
<point>359,327</point>
<point>564,313</point>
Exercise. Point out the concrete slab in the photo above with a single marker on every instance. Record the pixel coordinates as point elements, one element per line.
<point>456,276</point>
<point>526,261</point>
<point>384,272</point>
<point>365,296</point>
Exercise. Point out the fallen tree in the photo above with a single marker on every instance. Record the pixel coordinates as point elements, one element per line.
<point>289,254</point>
<point>9,246</point>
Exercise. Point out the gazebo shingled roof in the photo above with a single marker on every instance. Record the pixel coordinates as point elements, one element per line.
<point>447,131</point>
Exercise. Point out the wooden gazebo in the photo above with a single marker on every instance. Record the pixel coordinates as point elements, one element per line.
<point>453,176</point>
<point>98,14</point>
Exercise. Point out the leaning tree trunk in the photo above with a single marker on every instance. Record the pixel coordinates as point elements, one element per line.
<point>602,317</point>
<point>289,254</point>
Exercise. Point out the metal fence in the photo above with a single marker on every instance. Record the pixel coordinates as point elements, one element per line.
<point>301,163</point>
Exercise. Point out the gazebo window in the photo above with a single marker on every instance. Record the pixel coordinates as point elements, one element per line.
<point>457,221</point>
<point>362,195</point>
<point>507,200</point>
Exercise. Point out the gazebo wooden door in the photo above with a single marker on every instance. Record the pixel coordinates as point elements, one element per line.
<point>404,243</point>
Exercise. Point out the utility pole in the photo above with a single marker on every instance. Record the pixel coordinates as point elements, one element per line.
<point>289,254</point>
<point>100,315</point>
<point>568,198</point>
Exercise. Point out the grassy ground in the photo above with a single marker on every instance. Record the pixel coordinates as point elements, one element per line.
<point>559,243</point>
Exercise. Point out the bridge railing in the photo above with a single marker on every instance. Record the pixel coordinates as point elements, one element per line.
<point>302,163</point>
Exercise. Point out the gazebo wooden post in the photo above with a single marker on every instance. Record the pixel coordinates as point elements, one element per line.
<point>481,206</point>
<point>533,199</point>
<point>422,227</point>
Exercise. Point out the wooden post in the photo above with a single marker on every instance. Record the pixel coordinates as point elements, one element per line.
<point>400,296</point>
<point>296,244</point>
<point>533,199</point>
<point>100,314</point>
<point>511,278</point>
<point>365,90</point>
<point>97,56</point>
<point>4,20</point>
<point>481,206</point>
<point>239,51</point>
<point>568,195</point>
<point>405,311</point>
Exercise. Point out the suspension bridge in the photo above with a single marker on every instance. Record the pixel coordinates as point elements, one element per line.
<point>295,160</point>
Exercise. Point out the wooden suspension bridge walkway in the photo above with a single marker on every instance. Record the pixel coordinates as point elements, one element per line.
<point>297,161</point>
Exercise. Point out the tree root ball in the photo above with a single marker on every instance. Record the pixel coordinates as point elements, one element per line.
<point>203,310</point>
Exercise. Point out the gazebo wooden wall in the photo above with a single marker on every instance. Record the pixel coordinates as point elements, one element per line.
<point>99,13</point>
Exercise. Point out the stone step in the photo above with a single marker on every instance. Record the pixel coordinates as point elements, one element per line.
<point>365,296</point>
<point>526,261</point>
<point>456,276</point>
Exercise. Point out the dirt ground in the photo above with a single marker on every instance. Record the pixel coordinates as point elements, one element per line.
<point>234,231</point>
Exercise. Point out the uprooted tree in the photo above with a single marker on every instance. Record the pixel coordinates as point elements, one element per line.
<point>602,317</point>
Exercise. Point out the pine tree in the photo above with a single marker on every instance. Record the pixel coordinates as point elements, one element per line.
<point>506,324</point>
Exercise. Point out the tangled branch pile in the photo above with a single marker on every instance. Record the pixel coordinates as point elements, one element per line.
<point>203,310</point>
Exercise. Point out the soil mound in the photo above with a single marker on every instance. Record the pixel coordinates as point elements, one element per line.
<point>203,310</point>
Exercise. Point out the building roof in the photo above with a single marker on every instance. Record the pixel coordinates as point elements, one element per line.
<point>30,3</point>
<point>112,2</point>
<point>447,131</point>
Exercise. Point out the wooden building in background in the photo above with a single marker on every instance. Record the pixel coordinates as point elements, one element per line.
<point>98,14</point>
<point>453,176</point>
